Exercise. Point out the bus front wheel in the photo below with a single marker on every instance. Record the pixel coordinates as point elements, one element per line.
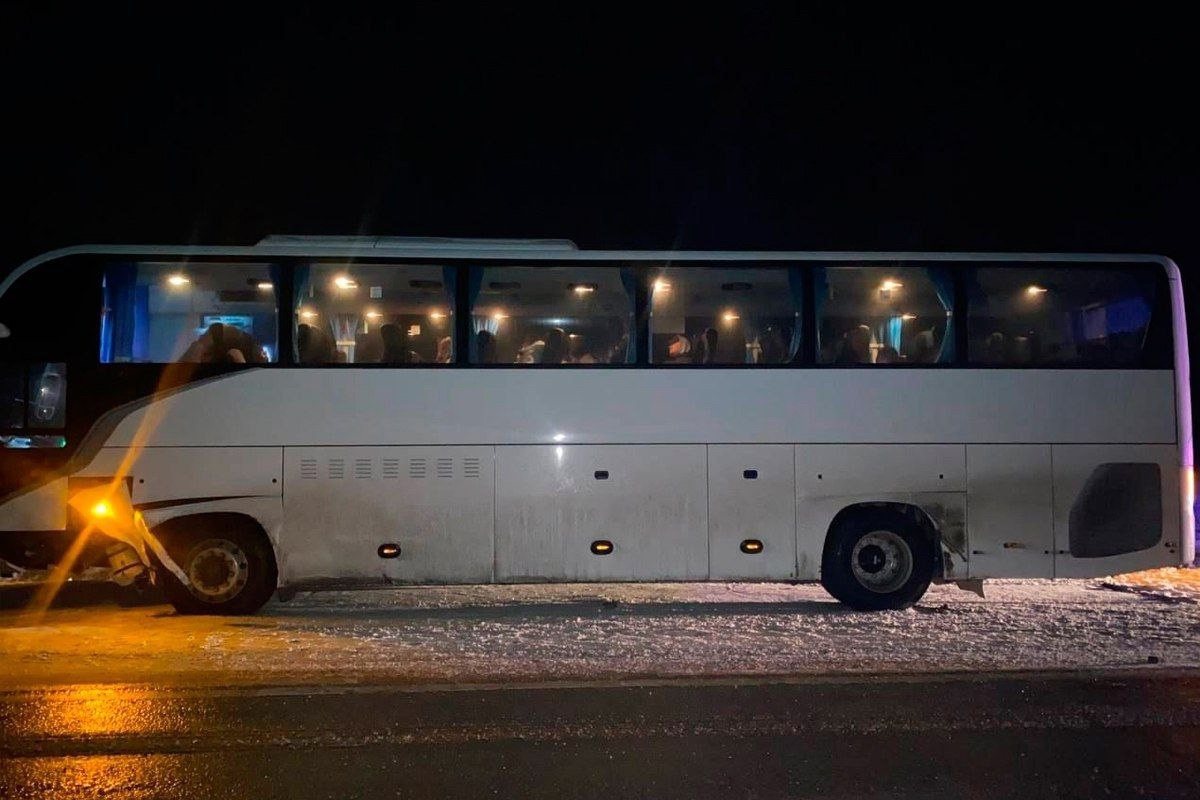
<point>877,559</point>
<point>227,559</point>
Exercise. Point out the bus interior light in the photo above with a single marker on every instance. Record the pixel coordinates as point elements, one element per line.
<point>1034,290</point>
<point>582,288</point>
<point>730,316</point>
<point>265,286</point>
<point>373,315</point>
<point>908,317</point>
<point>102,509</point>
<point>345,282</point>
<point>890,285</point>
<point>662,286</point>
<point>179,279</point>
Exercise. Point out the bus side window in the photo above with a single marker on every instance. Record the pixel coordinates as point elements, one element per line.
<point>875,314</point>
<point>1037,316</point>
<point>570,315</point>
<point>725,315</point>
<point>347,313</point>
<point>199,312</point>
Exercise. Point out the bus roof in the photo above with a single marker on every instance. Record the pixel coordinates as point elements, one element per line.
<point>535,250</point>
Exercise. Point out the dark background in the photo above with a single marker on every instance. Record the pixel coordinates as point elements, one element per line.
<point>1002,129</point>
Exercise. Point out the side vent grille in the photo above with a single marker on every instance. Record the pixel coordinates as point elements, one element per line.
<point>445,467</point>
<point>471,468</point>
<point>417,467</point>
<point>391,468</point>
<point>337,468</point>
<point>308,469</point>
<point>363,468</point>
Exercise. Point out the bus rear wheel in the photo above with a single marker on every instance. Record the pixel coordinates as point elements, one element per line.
<point>877,560</point>
<point>227,559</point>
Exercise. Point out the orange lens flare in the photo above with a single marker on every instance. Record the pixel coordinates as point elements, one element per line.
<point>121,522</point>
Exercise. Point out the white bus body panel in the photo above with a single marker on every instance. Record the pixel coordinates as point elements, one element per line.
<point>1009,510</point>
<point>761,507</point>
<point>342,503</point>
<point>42,509</point>
<point>673,505</point>
<point>335,407</point>
<point>831,477</point>
<point>165,474</point>
<point>550,507</point>
<point>1073,464</point>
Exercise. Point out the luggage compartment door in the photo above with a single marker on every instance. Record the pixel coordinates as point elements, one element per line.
<point>341,503</point>
<point>601,512</point>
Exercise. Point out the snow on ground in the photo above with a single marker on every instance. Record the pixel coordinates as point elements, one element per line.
<point>494,634</point>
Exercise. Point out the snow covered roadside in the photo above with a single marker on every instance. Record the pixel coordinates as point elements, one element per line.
<point>1169,583</point>
<point>496,634</point>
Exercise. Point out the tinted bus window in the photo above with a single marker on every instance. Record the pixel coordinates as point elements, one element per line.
<point>552,315</point>
<point>1088,316</point>
<point>884,315</point>
<point>374,314</point>
<point>218,313</point>
<point>715,315</point>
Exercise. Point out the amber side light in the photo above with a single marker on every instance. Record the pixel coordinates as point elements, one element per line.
<point>602,547</point>
<point>752,546</point>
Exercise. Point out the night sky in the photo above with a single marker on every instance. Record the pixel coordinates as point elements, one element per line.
<point>771,129</point>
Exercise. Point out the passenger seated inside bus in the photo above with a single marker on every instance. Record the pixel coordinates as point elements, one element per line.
<point>397,346</point>
<point>705,346</point>
<point>485,348</point>
<point>224,344</point>
<point>887,355</point>
<point>368,347</point>
<point>445,350</point>
<point>313,345</point>
<point>555,350</point>
<point>855,347</point>
<point>679,350</point>
<point>530,351</point>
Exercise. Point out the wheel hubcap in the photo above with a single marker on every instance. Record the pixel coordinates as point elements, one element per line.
<point>217,570</point>
<point>881,561</point>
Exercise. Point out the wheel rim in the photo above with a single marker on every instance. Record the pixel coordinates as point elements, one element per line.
<point>217,570</point>
<point>881,561</point>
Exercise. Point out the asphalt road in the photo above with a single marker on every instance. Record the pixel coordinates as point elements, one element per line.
<point>1112,733</point>
<point>655,690</point>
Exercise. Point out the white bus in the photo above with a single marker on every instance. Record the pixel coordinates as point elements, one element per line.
<point>331,411</point>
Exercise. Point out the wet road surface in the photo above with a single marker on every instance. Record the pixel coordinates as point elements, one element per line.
<point>613,691</point>
<point>1119,733</point>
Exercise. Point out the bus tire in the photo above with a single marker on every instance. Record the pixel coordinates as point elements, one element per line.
<point>877,559</point>
<point>227,558</point>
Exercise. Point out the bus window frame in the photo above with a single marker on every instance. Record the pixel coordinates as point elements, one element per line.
<point>807,356</point>
<point>207,370</point>
<point>1150,359</point>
